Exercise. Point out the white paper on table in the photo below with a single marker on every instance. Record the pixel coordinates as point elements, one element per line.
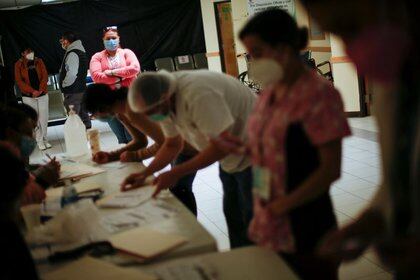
<point>195,270</point>
<point>114,165</point>
<point>74,170</point>
<point>127,199</point>
<point>152,211</point>
<point>91,268</point>
<point>81,187</point>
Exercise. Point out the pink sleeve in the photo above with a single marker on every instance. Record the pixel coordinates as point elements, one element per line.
<point>97,73</point>
<point>326,120</point>
<point>132,67</point>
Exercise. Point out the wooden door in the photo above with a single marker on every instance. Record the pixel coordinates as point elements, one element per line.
<point>226,36</point>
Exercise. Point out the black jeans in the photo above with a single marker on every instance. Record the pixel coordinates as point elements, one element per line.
<point>237,205</point>
<point>183,188</point>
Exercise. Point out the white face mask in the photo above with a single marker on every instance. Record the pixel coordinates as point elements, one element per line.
<point>265,71</point>
<point>30,56</point>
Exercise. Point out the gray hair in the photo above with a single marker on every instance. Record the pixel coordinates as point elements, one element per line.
<point>153,87</point>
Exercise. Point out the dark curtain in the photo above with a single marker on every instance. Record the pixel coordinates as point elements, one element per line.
<point>150,28</point>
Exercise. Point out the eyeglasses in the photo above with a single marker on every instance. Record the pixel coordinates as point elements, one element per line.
<point>112,28</point>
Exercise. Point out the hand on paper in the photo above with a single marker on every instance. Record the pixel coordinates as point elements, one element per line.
<point>165,180</point>
<point>49,173</point>
<point>104,157</point>
<point>134,181</point>
<point>129,156</point>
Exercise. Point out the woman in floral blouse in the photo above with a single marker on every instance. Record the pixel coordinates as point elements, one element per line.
<point>295,135</point>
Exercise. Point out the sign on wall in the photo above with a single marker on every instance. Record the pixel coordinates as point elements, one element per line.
<point>256,6</point>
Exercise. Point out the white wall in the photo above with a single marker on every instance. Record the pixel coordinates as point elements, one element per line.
<point>210,33</point>
<point>345,77</point>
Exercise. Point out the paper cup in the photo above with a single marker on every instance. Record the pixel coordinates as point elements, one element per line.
<point>93,135</point>
<point>31,215</point>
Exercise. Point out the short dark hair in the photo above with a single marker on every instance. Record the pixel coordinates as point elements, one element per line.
<point>14,177</point>
<point>70,36</point>
<point>11,118</point>
<point>276,26</point>
<point>25,48</point>
<point>110,28</point>
<point>100,97</point>
<point>27,110</point>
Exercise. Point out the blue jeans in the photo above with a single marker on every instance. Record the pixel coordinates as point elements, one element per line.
<point>237,205</point>
<point>183,188</point>
<point>119,130</point>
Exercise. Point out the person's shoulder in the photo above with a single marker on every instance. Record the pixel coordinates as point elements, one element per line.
<point>38,60</point>
<point>127,51</point>
<point>18,62</point>
<point>318,85</point>
<point>99,54</point>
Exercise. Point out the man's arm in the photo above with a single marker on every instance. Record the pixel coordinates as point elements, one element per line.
<point>72,68</point>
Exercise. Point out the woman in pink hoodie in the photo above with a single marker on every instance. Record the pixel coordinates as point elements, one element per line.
<point>116,67</point>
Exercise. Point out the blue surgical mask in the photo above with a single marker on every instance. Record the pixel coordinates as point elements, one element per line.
<point>27,146</point>
<point>158,117</point>
<point>111,44</point>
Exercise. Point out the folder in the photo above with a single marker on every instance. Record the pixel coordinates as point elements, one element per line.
<point>145,243</point>
<point>88,268</point>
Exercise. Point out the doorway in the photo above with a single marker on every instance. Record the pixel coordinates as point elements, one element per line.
<point>225,34</point>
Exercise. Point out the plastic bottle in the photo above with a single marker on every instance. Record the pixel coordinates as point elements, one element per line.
<point>75,135</point>
<point>69,194</point>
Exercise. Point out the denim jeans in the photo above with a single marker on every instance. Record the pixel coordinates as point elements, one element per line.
<point>119,130</point>
<point>237,205</point>
<point>183,188</point>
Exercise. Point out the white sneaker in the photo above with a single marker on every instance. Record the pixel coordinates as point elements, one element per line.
<point>47,145</point>
<point>42,146</point>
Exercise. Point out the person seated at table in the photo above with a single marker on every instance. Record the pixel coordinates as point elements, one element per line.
<point>17,263</point>
<point>195,106</point>
<point>104,102</point>
<point>17,129</point>
<point>46,175</point>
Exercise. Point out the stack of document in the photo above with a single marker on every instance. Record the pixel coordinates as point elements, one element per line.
<point>153,211</point>
<point>145,243</point>
<point>127,199</point>
<point>88,268</point>
<point>78,171</point>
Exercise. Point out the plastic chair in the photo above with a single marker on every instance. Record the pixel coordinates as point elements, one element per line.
<point>200,61</point>
<point>184,62</point>
<point>165,63</point>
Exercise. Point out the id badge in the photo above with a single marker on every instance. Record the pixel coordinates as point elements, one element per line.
<point>261,180</point>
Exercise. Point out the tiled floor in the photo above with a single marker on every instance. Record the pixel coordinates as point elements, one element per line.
<point>350,194</point>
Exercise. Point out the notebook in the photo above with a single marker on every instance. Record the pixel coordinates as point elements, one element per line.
<point>88,268</point>
<point>145,243</point>
<point>127,199</point>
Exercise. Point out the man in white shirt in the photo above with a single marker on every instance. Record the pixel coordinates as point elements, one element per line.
<point>196,106</point>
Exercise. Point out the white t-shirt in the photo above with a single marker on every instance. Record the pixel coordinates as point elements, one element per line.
<point>207,104</point>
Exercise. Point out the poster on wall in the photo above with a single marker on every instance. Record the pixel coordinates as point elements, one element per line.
<point>256,6</point>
